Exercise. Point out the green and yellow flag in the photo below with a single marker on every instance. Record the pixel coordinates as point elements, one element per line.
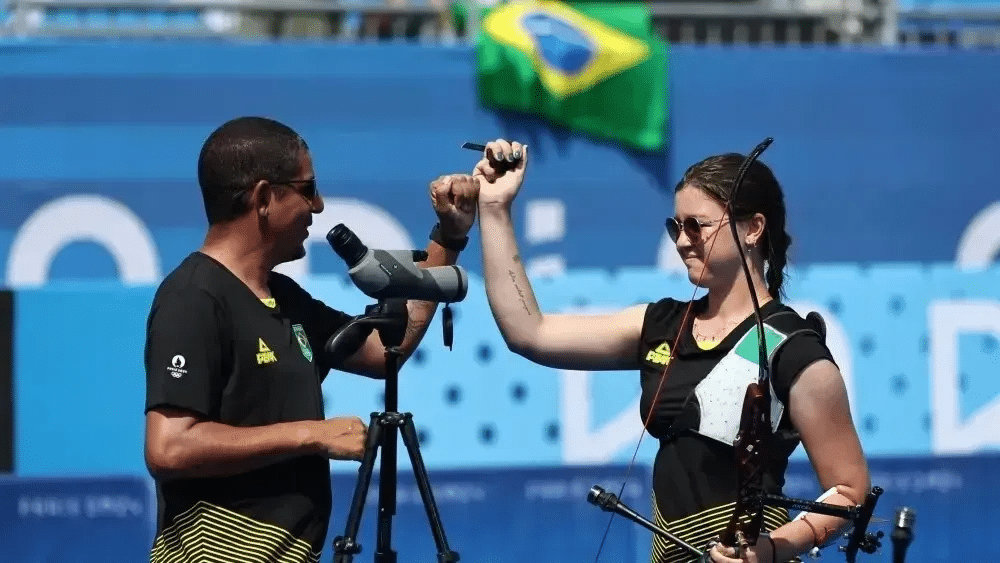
<point>594,67</point>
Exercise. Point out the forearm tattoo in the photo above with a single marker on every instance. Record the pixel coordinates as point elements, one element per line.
<point>420,314</point>
<point>524,303</point>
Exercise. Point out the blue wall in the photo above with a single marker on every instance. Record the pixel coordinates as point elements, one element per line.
<point>887,160</point>
<point>487,516</point>
<point>891,331</point>
<point>884,171</point>
<point>884,156</point>
<point>501,514</point>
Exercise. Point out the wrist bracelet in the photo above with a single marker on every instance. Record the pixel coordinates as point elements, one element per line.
<point>816,540</point>
<point>453,244</point>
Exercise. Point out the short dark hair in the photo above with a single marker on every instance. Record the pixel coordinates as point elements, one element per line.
<point>760,193</point>
<point>240,153</point>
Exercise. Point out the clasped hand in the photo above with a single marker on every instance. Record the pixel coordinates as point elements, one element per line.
<point>496,179</point>
<point>760,553</point>
<point>455,199</point>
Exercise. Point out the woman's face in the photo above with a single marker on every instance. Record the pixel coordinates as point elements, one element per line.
<point>704,238</point>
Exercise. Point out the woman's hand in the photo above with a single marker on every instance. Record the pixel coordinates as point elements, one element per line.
<point>760,553</point>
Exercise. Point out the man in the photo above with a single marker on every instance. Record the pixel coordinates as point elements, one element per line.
<point>235,432</point>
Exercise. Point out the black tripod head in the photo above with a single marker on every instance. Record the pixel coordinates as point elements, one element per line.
<point>389,317</point>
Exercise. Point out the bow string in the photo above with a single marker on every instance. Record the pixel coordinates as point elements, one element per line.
<point>730,209</point>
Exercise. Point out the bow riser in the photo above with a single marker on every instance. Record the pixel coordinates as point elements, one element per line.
<point>751,451</point>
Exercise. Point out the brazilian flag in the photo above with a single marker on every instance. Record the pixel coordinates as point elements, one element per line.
<point>594,67</point>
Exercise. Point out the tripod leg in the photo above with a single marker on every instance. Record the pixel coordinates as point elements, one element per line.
<point>387,490</point>
<point>346,546</point>
<point>409,433</point>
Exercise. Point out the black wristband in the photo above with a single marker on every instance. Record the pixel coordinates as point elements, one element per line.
<point>456,245</point>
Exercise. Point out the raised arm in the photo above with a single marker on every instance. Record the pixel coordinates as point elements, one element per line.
<point>582,342</point>
<point>454,201</point>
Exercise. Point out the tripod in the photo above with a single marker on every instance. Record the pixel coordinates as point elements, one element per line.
<point>389,318</point>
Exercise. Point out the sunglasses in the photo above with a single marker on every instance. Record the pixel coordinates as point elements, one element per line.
<point>691,226</point>
<point>308,189</point>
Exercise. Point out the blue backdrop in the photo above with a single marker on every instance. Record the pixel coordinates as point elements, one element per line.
<point>501,514</point>
<point>918,348</point>
<point>887,160</point>
<point>879,161</point>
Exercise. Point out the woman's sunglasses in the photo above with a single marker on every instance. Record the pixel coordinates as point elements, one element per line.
<point>691,226</point>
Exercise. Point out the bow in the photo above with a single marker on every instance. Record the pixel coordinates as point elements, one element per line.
<point>751,444</point>
<point>754,436</point>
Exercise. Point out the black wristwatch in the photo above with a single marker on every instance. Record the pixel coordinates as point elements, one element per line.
<point>454,244</point>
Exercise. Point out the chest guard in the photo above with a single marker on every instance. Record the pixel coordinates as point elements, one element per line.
<point>715,406</point>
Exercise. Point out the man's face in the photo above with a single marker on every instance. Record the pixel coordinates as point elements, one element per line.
<point>294,201</point>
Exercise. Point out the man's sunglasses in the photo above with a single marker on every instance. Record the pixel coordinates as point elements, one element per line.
<point>691,226</point>
<point>308,189</point>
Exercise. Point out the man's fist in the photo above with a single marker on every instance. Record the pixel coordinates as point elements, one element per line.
<point>341,437</point>
<point>455,198</point>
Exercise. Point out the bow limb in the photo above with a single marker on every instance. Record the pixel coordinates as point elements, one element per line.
<point>753,439</point>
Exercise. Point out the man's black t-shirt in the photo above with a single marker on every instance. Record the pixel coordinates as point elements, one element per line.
<point>695,477</point>
<point>214,349</point>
